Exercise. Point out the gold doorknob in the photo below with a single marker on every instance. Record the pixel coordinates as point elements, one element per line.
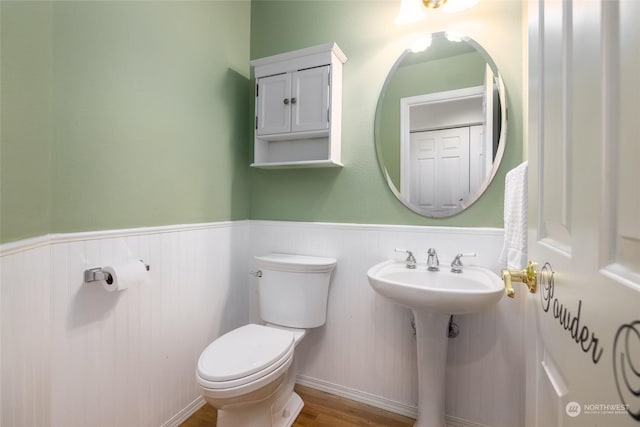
<point>526,276</point>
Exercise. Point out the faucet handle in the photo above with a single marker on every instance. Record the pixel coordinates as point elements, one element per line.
<point>467,254</point>
<point>411,260</point>
<point>456,264</point>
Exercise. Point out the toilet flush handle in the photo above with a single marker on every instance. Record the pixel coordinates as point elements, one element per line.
<point>257,273</point>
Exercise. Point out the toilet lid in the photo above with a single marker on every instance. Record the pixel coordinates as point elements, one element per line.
<point>244,351</point>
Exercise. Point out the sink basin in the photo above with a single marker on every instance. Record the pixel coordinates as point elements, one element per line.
<point>475,289</point>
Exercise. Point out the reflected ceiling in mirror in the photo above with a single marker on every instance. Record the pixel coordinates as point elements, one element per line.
<point>440,127</point>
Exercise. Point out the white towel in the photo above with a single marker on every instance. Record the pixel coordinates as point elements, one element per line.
<point>514,251</point>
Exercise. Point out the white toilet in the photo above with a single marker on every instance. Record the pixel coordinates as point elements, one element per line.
<point>248,374</point>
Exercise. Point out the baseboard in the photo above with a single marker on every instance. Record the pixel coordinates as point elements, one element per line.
<point>459,422</point>
<point>185,413</point>
<point>377,401</point>
<point>358,396</point>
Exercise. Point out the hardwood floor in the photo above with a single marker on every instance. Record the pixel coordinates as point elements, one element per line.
<point>321,410</point>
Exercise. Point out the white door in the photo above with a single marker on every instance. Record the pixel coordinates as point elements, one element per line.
<point>583,324</point>
<point>439,172</point>
<point>273,104</point>
<point>478,153</point>
<point>310,99</point>
<point>488,105</point>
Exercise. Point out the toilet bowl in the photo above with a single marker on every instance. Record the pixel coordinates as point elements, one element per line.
<point>243,374</point>
<point>248,374</point>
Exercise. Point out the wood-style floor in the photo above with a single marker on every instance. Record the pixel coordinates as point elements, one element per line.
<point>321,410</point>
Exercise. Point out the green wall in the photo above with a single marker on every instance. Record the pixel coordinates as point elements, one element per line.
<point>26,126</point>
<point>123,114</point>
<point>366,33</point>
<point>119,114</point>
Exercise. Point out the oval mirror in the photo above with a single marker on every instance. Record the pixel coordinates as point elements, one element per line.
<point>440,126</point>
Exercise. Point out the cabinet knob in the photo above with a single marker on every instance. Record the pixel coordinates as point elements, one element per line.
<point>286,101</point>
<point>293,100</point>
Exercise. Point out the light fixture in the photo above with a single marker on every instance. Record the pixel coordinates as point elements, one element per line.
<point>433,4</point>
<point>414,10</point>
<point>410,11</point>
<point>458,5</point>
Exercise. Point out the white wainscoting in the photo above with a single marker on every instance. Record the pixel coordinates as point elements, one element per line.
<point>76,355</point>
<point>366,350</point>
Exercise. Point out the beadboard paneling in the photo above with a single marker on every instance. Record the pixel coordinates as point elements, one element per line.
<point>26,342</point>
<point>75,355</point>
<point>366,350</point>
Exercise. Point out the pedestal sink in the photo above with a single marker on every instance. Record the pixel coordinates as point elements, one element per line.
<point>433,296</point>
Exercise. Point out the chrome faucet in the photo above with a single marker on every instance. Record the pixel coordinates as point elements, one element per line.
<point>433,264</point>
<point>411,260</point>
<point>456,264</point>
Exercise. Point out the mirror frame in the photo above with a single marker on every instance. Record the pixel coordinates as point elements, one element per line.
<point>501,142</point>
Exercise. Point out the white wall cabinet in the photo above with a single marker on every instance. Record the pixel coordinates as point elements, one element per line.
<point>299,108</point>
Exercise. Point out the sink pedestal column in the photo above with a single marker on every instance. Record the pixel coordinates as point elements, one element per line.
<point>432,341</point>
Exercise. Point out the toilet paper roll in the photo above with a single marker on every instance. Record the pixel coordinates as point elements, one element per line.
<point>124,275</point>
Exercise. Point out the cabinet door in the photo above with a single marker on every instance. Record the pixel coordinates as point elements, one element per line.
<point>310,99</point>
<point>273,104</point>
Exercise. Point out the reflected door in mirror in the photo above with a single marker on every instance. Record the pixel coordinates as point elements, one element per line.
<point>439,176</point>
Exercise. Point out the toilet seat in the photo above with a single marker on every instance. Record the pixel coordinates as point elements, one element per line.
<point>245,355</point>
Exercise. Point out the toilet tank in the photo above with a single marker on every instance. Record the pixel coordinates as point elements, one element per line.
<point>294,289</point>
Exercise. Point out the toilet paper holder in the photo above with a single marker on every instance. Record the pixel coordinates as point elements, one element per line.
<point>97,274</point>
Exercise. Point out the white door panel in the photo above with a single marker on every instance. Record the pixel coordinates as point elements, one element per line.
<point>555,215</point>
<point>488,105</point>
<point>627,216</point>
<point>479,151</point>
<point>583,324</point>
